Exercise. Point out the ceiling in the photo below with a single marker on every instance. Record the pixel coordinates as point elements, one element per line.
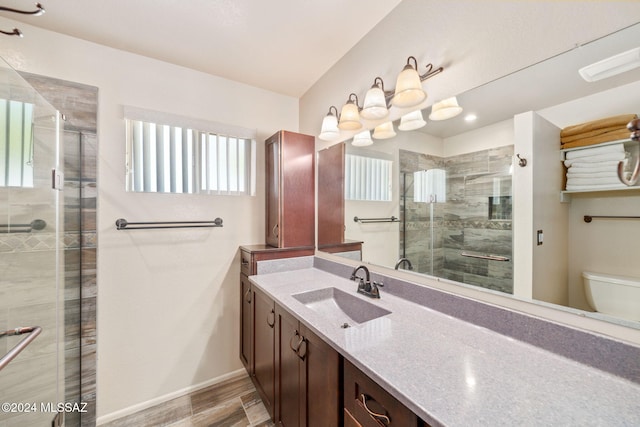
<point>283,46</point>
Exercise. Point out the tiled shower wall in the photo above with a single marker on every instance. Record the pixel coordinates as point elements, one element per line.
<point>463,223</point>
<point>79,104</point>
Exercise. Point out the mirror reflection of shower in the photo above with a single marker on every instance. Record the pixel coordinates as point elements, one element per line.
<point>455,216</point>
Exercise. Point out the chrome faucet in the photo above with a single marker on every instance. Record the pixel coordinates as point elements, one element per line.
<point>404,260</point>
<point>365,285</point>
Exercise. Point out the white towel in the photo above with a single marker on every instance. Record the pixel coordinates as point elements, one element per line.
<point>608,174</point>
<point>595,151</point>
<point>593,181</point>
<point>595,159</point>
<point>595,167</point>
<point>579,187</point>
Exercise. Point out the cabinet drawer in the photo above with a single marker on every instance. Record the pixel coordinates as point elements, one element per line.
<point>245,263</point>
<point>370,405</point>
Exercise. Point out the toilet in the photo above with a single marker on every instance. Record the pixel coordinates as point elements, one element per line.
<point>617,296</point>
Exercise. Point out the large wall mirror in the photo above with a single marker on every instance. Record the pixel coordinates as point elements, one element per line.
<point>452,199</point>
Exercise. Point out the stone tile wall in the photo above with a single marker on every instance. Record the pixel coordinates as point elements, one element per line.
<point>463,223</point>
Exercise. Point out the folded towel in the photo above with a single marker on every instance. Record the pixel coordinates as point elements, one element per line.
<point>595,132</point>
<point>594,151</point>
<point>612,173</point>
<point>594,167</point>
<point>595,159</point>
<point>593,181</point>
<point>595,187</point>
<point>620,120</point>
<point>614,135</point>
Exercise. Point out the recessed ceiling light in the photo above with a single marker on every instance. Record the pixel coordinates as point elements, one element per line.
<point>470,117</point>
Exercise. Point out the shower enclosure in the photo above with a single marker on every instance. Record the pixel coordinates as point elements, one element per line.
<point>455,215</point>
<point>39,260</point>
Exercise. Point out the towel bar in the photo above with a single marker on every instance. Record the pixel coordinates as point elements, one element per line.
<point>123,224</point>
<point>589,218</point>
<point>370,220</point>
<point>33,332</point>
<point>489,257</point>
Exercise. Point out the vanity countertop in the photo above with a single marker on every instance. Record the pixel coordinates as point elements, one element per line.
<point>453,373</point>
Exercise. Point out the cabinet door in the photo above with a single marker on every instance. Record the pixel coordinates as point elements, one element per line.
<point>264,320</point>
<point>245,323</point>
<point>288,340</point>
<point>272,180</point>
<point>331,196</point>
<point>319,382</point>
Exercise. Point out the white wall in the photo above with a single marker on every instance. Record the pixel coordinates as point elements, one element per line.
<point>167,299</point>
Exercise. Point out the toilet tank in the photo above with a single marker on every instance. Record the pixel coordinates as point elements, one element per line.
<point>617,296</point>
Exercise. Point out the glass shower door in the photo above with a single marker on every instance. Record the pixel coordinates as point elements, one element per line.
<point>31,256</point>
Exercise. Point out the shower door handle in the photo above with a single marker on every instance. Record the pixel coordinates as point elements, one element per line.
<point>33,332</point>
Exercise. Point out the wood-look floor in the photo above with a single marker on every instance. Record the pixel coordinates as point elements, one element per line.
<point>234,402</point>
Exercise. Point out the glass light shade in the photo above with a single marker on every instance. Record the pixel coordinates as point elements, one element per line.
<point>329,130</point>
<point>349,117</point>
<point>375,105</point>
<point>445,109</point>
<point>409,92</point>
<point>362,139</point>
<point>412,121</point>
<point>384,131</point>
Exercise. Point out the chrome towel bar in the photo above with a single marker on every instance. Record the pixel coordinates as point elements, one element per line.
<point>489,257</point>
<point>33,332</point>
<point>123,224</point>
<point>36,224</point>
<point>370,220</point>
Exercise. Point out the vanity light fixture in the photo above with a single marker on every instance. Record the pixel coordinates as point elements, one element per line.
<point>384,131</point>
<point>375,102</point>
<point>412,121</point>
<point>350,114</point>
<point>445,109</point>
<point>611,66</point>
<point>408,93</point>
<point>362,139</point>
<point>330,131</point>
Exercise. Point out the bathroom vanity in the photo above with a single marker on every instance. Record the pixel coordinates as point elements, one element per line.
<point>405,359</point>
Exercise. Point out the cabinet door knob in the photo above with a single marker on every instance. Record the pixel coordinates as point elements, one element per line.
<point>381,417</point>
<point>296,347</point>
<point>271,323</point>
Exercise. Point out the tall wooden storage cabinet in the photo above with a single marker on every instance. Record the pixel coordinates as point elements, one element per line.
<point>290,185</point>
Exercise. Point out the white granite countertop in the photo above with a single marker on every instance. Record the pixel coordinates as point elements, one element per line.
<point>453,373</point>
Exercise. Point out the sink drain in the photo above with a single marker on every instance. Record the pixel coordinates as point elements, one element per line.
<point>344,325</point>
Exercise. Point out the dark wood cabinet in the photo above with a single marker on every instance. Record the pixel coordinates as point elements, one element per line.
<point>367,404</point>
<point>308,376</point>
<point>331,197</point>
<point>290,190</point>
<point>264,320</point>
<point>246,324</point>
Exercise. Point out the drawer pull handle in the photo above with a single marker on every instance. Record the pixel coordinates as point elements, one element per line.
<point>302,354</point>
<point>275,230</point>
<point>297,346</point>
<point>380,417</point>
<point>247,296</point>
<point>244,263</point>
<point>270,322</point>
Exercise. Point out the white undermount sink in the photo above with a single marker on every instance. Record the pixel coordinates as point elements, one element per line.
<point>340,307</point>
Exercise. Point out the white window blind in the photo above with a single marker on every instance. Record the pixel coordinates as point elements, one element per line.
<point>367,178</point>
<point>16,144</point>
<point>178,156</point>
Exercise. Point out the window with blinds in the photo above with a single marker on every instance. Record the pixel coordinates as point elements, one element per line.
<point>367,178</point>
<point>165,158</point>
<point>16,144</point>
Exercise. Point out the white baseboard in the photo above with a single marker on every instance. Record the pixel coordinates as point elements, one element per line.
<point>165,398</point>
